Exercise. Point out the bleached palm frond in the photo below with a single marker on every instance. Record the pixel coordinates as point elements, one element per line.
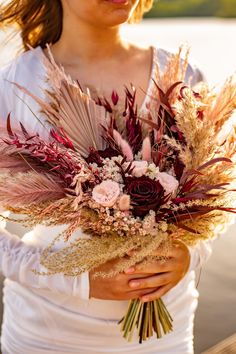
<point>81,118</point>
<point>67,106</point>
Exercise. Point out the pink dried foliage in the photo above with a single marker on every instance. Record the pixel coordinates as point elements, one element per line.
<point>123,145</point>
<point>29,188</point>
<point>146,149</point>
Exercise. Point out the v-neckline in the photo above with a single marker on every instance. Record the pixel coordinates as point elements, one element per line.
<point>142,107</point>
<point>151,78</point>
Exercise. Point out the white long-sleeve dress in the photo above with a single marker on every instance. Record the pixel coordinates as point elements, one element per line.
<point>54,314</point>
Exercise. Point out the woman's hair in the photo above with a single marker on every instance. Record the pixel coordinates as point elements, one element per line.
<point>142,7</point>
<point>40,21</point>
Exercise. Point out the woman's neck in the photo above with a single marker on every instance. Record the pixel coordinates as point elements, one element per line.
<point>81,41</point>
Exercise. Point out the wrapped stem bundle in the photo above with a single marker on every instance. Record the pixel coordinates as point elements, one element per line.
<point>148,317</point>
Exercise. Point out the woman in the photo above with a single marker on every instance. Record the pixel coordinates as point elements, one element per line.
<point>60,314</point>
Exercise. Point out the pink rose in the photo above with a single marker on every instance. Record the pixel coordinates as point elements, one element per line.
<point>140,168</point>
<point>168,182</point>
<point>124,202</point>
<point>106,193</point>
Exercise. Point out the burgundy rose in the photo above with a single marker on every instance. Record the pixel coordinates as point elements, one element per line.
<point>146,194</point>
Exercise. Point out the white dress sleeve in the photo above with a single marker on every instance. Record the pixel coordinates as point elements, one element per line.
<point>18,259</point>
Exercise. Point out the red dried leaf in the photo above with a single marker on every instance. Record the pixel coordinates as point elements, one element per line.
<point>214,161</point>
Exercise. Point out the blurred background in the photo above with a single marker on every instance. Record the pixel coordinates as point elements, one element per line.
<point>209,28</point>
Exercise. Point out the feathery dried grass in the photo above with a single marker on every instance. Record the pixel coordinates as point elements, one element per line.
<point>175,70</point>
<point>27,189</point>
<point>224,105</point>
<point>85,255</point>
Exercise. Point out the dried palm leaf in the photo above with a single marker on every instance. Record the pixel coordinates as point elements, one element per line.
<point>71,109</point>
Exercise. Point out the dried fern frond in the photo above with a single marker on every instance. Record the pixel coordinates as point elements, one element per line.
<point>24,189</point>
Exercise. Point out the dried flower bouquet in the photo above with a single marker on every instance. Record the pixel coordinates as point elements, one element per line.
<point>128,180</point>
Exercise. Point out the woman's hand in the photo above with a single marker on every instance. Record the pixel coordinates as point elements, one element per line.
<point>162,275</point>
<point>147,281</point>
<point>114,288</point>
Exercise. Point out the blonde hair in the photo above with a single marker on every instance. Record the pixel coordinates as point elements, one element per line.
<point>142,7</point>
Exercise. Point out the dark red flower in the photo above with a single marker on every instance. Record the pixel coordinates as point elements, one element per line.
<point>108,153</point>
<point>96,156</point>
<point>114,97</point>
<point>179,167</point>
<point>146,194</point>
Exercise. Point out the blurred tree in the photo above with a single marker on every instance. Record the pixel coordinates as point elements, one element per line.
<point>227,8</point>
<point>178,8</point>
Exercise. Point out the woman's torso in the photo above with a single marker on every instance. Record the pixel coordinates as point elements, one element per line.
<point>41,321</point>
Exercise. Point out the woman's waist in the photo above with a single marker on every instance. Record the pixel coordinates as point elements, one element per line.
<point>72,308</point>
<point>178,300</point>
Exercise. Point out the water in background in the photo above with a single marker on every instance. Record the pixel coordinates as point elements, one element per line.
<point>212,41</point>
<point>212,44</point>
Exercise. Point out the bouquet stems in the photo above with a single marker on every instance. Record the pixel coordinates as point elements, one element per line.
<point>148,318</point>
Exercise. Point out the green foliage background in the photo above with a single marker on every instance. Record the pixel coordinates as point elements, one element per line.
<point>184,8</point>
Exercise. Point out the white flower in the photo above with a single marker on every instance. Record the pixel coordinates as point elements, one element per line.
<point>106,193</point>
<point>140,168</point>
<point>110,171</point>
<point>152,171</point>
<point>168,182</point>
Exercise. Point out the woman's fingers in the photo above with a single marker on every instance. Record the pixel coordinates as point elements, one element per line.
<point>146,280</point>
<point>177,256</point>
<point>153,267</point>
<point>151,282</point>
<point>138,294</point>
<point>157,293</point>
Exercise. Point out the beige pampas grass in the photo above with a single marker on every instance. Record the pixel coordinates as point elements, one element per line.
<point>221,111</point>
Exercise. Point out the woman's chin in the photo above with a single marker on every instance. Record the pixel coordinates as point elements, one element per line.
<point>116,19</point>
<point>117,22</point>
<point>115,14</point>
